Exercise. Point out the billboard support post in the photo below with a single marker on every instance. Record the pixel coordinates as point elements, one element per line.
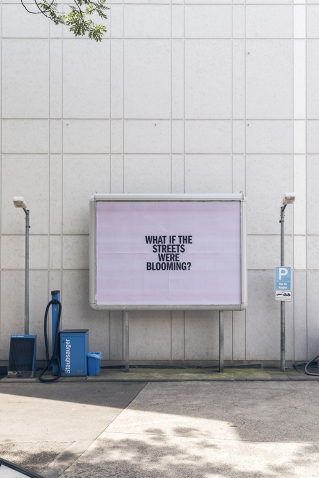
<point>221,341</point>
<point>126,333</point>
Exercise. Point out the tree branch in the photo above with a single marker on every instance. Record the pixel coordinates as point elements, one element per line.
<point>77,19</point>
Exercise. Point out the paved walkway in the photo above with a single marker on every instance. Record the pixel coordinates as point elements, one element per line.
<point>40,423</point>
<point>192,429</point>
<point>210,430</point>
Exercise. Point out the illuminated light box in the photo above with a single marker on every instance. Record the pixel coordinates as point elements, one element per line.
<point>168,251</point>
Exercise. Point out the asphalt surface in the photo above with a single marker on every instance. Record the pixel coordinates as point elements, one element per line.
<point>40,422</point>
<point>210,430</point>
<point>256,429</point>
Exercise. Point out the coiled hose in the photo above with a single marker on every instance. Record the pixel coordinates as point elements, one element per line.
<point>55,351</point>
<point>306,367</point>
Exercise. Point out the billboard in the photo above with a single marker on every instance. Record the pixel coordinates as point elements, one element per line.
<point>168,252</point>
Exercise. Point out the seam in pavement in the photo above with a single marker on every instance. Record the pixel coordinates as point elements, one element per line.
<point>73,452</point>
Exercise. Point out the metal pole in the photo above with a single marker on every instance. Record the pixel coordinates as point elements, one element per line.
<point>282,303</point>
<point>221,341</point>
<point>126,342</point>
<point>26,299</point>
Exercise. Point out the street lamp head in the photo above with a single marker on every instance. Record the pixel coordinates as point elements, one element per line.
<point>289,198</point>
<point>19,202</point>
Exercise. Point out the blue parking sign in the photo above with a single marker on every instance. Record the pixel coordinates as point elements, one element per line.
<point>283,278</point>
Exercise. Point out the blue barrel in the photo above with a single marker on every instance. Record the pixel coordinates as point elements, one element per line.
<point>94,362</point>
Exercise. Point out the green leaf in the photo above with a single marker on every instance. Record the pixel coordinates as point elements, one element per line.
<point>76,19</point>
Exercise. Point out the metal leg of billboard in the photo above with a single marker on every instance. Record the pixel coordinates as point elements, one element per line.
<point>221,341</point>
<point>126,331</point>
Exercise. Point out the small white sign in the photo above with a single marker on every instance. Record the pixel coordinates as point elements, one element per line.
<point>284,295</point>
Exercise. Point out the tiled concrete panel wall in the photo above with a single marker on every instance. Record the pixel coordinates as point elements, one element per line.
<point>269,84</point>
<point>180,96</point>
<point>90,97</point>
<point>23,61</point>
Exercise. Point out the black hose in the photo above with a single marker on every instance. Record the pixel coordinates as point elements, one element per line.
<point>306,366</point>
<point>55,351</point>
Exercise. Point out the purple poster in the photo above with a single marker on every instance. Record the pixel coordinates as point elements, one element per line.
<point>168,253</point>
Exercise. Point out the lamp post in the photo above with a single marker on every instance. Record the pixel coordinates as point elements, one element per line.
<point>19,202</point>
<point>289,198</point>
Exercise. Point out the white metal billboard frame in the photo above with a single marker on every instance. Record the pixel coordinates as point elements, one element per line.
<point>125,308</point>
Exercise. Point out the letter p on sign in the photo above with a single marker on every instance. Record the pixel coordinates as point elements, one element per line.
<point>282,273</point>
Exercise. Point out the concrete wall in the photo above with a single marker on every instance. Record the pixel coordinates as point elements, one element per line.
<point>181,96</point>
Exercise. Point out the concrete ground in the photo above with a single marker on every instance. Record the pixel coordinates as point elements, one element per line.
<point>41,424</point>
<point>184,429</point>
<point>145,374</point>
